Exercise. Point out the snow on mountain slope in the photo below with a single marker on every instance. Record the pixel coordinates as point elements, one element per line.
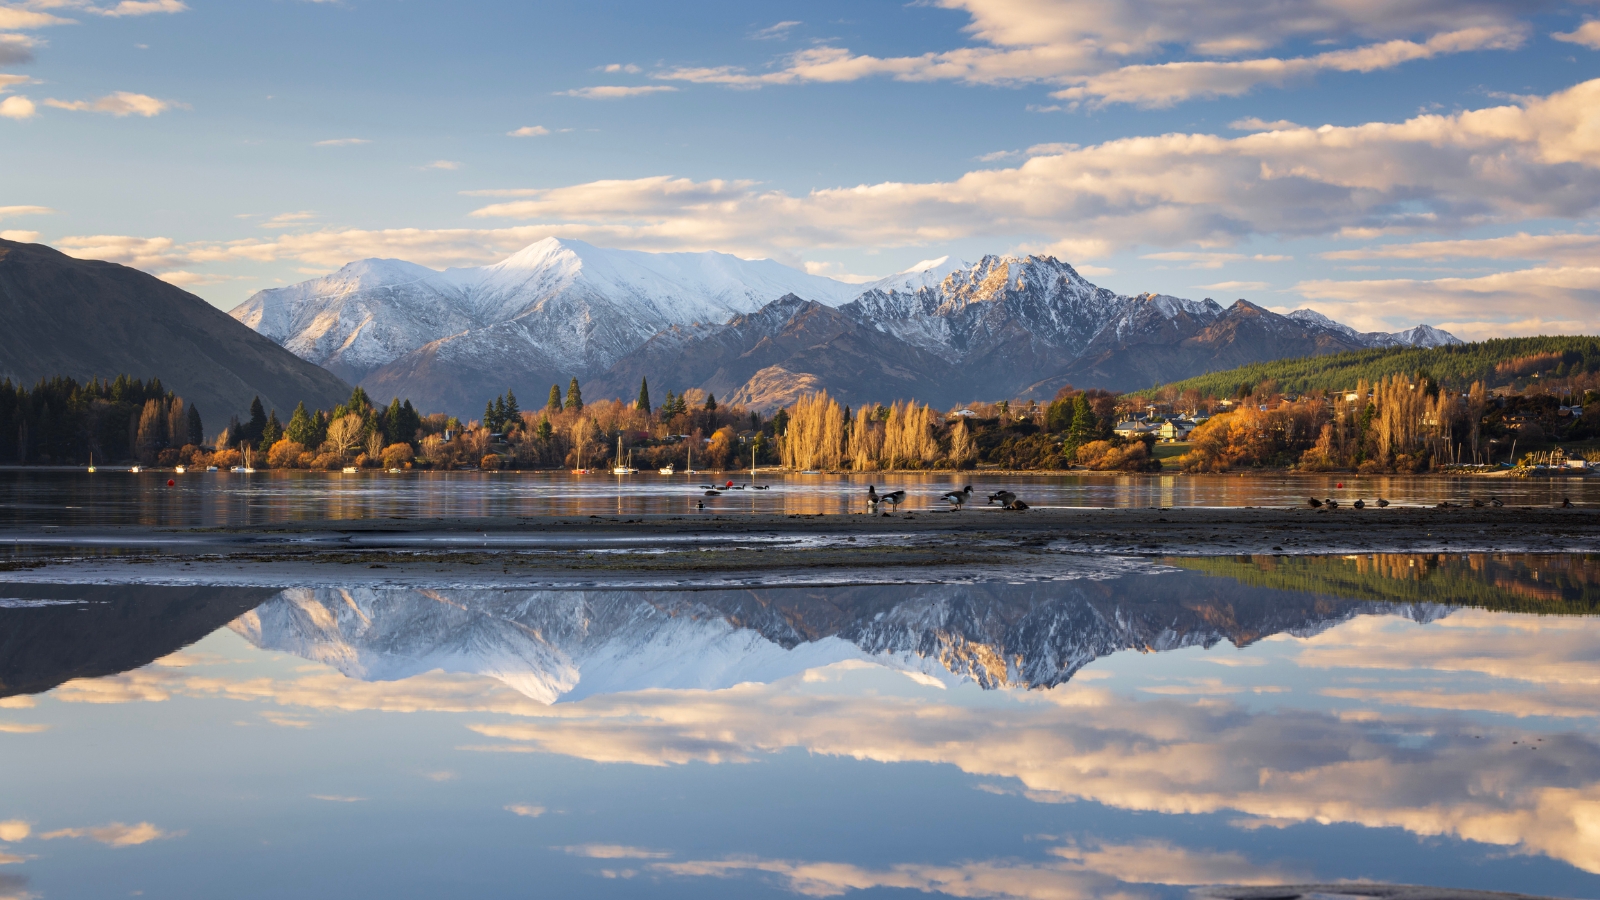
<point>1420,336</point>
<point>577,307</point>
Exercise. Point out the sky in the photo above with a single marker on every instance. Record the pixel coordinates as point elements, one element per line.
<point>1386,162</point>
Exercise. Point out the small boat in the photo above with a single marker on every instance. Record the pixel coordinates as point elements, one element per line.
<point>211,468</point>
<point>350,470</point>
<point>395,471</point>
<point>583,471</point>
<point>247,470</point>
<point>136,469</point>
<point>622,468</point>
<point>181,469</point>
<point>667,469</point>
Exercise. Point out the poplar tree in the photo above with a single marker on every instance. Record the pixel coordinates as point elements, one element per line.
<point>644,396</point>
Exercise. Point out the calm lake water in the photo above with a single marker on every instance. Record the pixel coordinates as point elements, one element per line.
<point>123,498</point>
<point>1421,719</point>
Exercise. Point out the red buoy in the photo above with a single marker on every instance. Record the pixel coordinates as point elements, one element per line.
<point>170,482</point>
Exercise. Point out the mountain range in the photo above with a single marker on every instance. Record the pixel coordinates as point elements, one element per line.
<point>86,318</point>
<point>760,333</point>
<point>565,645</point>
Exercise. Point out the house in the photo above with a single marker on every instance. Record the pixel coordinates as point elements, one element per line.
<point>1134,428</point>
<point>1174,430</point>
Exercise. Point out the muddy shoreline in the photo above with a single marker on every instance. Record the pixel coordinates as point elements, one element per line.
<point>725,550</point>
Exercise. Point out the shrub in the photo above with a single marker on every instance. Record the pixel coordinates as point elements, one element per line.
<point>490,462</point>
<point>1105,456</point>
<point>328,462</point>
<point>285,454</point>
<point>167,458</point>
<point>225,459</point>
<point>395,456</point>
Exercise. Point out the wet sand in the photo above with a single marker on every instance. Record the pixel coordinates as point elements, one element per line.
<point>729,550</point>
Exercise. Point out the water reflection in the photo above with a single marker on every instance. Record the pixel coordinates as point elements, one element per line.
<point>1277,721</point>
<point>122,498</point>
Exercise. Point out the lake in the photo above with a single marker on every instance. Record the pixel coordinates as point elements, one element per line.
<point>38,497</point>
<point>1426,719</point>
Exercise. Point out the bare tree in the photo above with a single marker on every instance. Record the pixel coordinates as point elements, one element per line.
<point>344,434</point>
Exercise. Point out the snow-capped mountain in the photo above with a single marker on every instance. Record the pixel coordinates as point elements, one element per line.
<point>565,645</point>
<point>942,331</point>
<point>569,305</point>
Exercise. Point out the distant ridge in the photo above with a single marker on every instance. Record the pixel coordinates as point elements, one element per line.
<point>86,318</point>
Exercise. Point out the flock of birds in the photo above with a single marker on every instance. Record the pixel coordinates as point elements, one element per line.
<point>1474,503</point>
<point>956,499</point>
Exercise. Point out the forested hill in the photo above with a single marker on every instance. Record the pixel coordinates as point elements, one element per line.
<point>1497,363</point>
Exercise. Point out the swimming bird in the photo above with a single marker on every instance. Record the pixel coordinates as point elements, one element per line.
<point>1315,503</point>
<point>699,504</point>
<point>758,487</point>
<point>1359,504</point>
<point>959,498</point>
<point>1016,504</point>
<point>713,493</point>
<point>1331,503</point>
<point>1002,497</point>
<point>1382,503</point>
<point>708,487</point>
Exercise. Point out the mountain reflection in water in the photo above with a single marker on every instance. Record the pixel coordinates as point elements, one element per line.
<point>1395,718</point>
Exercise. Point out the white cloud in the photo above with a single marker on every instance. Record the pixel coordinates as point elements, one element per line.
<point>114,834</point>
<point>16,49</point>
<point>1549,300</point>
<point>526,809</point>
<point>1587,34</point>
<point>1251,123</point>
<point>7,212</point>
<point>289,219</point>
<point>14,18</point>
<point>141,8</point>
<point>611,851</point>
<point>337,798</point>
<point>120,103</point>
<point>1235,286</point>
<point>780,30</point>
<point>342,142</point>
<point>23,237</point>
<point>615,92</point>
<point>1570,248</point>
<point>17,107</point>
<point>629,68</point>
<point>529,131</point>
<point>22,728</point>
<point>443,164</point>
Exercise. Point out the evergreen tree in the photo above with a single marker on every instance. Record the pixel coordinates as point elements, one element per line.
<point>555,399</point>
<point>574,395</point>
<point>489,416</point>
<point>711,403</point>
<point>513,414</point>
<point>394,424</point>
<point>409,425</point>
<point>644,396</point>
<point>271,432</point>
<point>669,406</point>
<point>359,400</point>
<point>302,430</point>
<point>545,431</point>
<point>1085,426</point>
<point>251,431</point>
<point>197,431</point>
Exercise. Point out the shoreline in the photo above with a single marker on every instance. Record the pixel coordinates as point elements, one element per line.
<point>720,550</point>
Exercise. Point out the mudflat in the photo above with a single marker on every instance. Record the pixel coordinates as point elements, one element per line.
<point>762,549</point>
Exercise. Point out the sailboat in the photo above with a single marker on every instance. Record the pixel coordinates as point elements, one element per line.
<point>91,462</point>
<point>667,469</point>
<point>622,468</point>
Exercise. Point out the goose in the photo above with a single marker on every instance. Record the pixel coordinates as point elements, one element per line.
<point>713,493</point>
<point>1382,503</point>
<point>1315,503</point>
<point>708,487</point>
<point>959,498</point>
<point>1002,497</point>
<point>1016,504</point>
<point>758,487</point>
<point>893,498</point>
<point>1359,504</point>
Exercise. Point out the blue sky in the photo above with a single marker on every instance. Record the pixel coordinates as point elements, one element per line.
<point>1160,145</point>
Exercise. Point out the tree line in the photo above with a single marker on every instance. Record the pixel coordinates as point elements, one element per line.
<point>60,421</point>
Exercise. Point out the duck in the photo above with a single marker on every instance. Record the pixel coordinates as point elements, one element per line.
<point>699,504</point>
<point>959,498</point>
<point>1382,503</point>
<point>1476,503</point>
<point>1359,504</point>
<point>1565,503</point>
<point>1331,503</point>
<point>1016,505</point>
<point>1315,503</point>
<point>1002,497</point>
<point>1496,502</point>
<point>713,493</point>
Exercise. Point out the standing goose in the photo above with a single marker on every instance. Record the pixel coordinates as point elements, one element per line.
<point>893,498</point>
<point>959,498</point>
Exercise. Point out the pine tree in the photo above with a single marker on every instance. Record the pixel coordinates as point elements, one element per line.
<point>394,424</point>
<point>271,432</point>
<point>545,431</point>
<point>555,399</point>
<point>1085,424</point>
<point>499,414</point>
<point>197,431</point>
<point>359,400</point>
<point>409,425</point>
<point>574,395</point>
<point>644,396</point>
<point>513,414</point>
<point>258,421</point>
<point>669,406</point>
<point>711,403</point>
<point>301,429</point>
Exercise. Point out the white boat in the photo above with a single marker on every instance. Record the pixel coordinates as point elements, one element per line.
<point>248,470</point>
<point>350,470</point>
<point>395,471</point>
<point>181,469</point>
<point>622,468</point>
<point>667,469</point>
<point>211,468</point>
<point>137,469</point>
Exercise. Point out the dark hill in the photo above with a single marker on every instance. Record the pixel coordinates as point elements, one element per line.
<point>86,318</point>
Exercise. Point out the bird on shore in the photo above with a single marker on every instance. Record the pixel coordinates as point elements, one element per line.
<point>1002,497</point>
<point>1565,503</point>
<point>1446,504</point>
<point>1331,503</point>
<point>1496,502</point>
<point>959,498</point>
<point>1016,505</point>
<point>1315,503</point>
<point>1382,503</point>
<point>1476,503</point>
<point>1359,504</point>
<point>893,498</point>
